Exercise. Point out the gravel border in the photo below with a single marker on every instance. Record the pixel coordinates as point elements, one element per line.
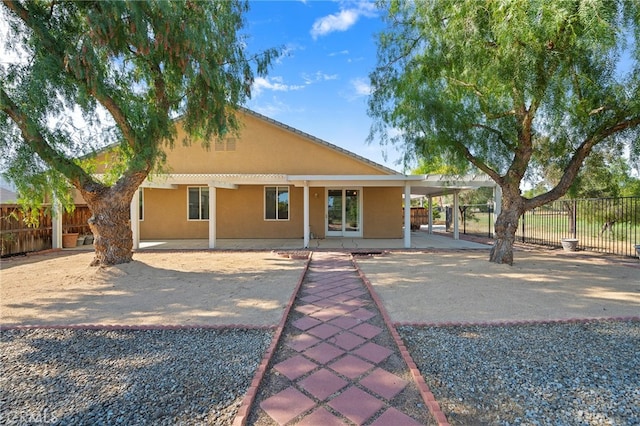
<point>93,376</point>
<point>575,373</point>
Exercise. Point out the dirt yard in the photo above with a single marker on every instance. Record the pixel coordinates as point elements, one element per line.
<point>168,288</point>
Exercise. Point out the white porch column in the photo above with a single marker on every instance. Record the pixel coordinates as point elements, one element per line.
<point>135,218</point>
<point>456,224</point>
<point>430,206</point>
<point>212,217</point>
<point>306,214</point>
<point>497,206</point>
<point>407,215</point>
<point>56,225</point>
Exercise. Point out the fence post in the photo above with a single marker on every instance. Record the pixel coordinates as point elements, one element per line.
<point>575,219</point>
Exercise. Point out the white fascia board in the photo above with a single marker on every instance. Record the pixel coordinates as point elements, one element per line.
<point>479,180</point>
<point>226,180</point>
<point>355,180</point>
<point>158,185</point>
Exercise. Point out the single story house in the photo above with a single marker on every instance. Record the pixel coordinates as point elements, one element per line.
<point>274,181</point>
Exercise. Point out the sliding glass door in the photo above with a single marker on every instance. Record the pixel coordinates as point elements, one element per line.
<point>344,212</point>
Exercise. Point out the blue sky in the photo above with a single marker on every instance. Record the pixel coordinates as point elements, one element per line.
<point>321,84</point>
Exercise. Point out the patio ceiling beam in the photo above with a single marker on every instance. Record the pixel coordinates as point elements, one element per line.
<point>158,185</point>
<point>223,185</point>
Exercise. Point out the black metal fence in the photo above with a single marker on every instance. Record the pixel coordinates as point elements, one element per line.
<point>605,225</point>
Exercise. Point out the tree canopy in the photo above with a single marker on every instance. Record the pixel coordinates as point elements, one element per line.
<point>502,85</point>
<point>129,68</point>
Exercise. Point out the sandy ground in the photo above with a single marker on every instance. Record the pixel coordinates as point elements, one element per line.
<point>253,288</point>
<point>462,286</point>
<point>157,288</point>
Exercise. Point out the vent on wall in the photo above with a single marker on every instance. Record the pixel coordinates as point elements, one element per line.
<point>225,145</point>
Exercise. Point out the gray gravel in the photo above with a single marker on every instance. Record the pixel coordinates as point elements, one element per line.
<point>113,377</point>
<point>537,374</point>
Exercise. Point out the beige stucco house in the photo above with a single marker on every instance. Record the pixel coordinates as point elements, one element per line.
<point>273,181</point>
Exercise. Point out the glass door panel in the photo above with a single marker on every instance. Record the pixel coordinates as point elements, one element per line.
<point>334,212</point>
<point>352,210</point>
<point>344,217</point>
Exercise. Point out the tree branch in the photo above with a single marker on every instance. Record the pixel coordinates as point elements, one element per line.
<point>478,163</point>
<point>577,160</point>
<point>497,132</point>
<point>467,85</point>
<point>34,138</point>
<point>53,46</point>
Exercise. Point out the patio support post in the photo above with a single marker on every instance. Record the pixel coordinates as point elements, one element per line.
<point>306,214</point>
<point>56,225</point>
<point>212,216</point>
<point>407,215</point>
<point>135,219</point>
<point>497,205</point>
<point>456,225</point>
<point>430,207</point>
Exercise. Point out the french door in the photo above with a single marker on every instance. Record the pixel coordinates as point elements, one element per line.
<point>344,212</point>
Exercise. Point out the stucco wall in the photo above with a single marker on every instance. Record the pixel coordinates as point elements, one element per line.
<point>264,147</point>
<point>240,214</point>
<point>383,214</point>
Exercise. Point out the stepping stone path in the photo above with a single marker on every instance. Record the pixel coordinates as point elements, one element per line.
<point>336,362</point>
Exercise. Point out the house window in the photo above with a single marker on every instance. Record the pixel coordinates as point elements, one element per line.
<point>198,203</point>
<point>276,203</point>
<point>228,144</point>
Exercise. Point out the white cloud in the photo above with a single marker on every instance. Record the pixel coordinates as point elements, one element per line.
<point>342,20</point>
<point>361,86</point>
<point>342,52</point>
<point>318,76</point>
<point>273,108</point>
<point>274,84</point>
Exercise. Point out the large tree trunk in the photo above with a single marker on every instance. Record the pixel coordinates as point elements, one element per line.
<point>506,227</point>
<point>111,227</point>
<point>111,220</point>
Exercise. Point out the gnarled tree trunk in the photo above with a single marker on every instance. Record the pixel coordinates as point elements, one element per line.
<point>111,219</point>
<point>111,227</point>
<point>506,226</point>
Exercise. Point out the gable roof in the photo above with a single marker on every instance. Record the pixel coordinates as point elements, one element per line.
<point>320,141</point>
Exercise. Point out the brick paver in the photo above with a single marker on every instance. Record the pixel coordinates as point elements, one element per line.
<point>337,362</point>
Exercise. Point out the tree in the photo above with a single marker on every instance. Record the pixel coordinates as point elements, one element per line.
<point>130,69</point>
<point>483,82</point>
<point>603,174</point>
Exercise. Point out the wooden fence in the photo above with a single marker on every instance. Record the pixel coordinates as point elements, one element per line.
<point>17,237</point>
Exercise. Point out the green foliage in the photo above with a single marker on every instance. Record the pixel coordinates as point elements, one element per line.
<point>508,85</point>
<point>90,75</point>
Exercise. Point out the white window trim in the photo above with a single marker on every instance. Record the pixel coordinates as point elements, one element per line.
<point>199,202</point>
<point>264,203</point>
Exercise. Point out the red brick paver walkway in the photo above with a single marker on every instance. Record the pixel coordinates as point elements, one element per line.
<point>337,362</point>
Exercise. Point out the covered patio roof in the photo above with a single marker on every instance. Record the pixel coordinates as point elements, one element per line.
<point>425,185</point>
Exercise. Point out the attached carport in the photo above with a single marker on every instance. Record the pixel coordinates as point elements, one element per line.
<point>431,186</point>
